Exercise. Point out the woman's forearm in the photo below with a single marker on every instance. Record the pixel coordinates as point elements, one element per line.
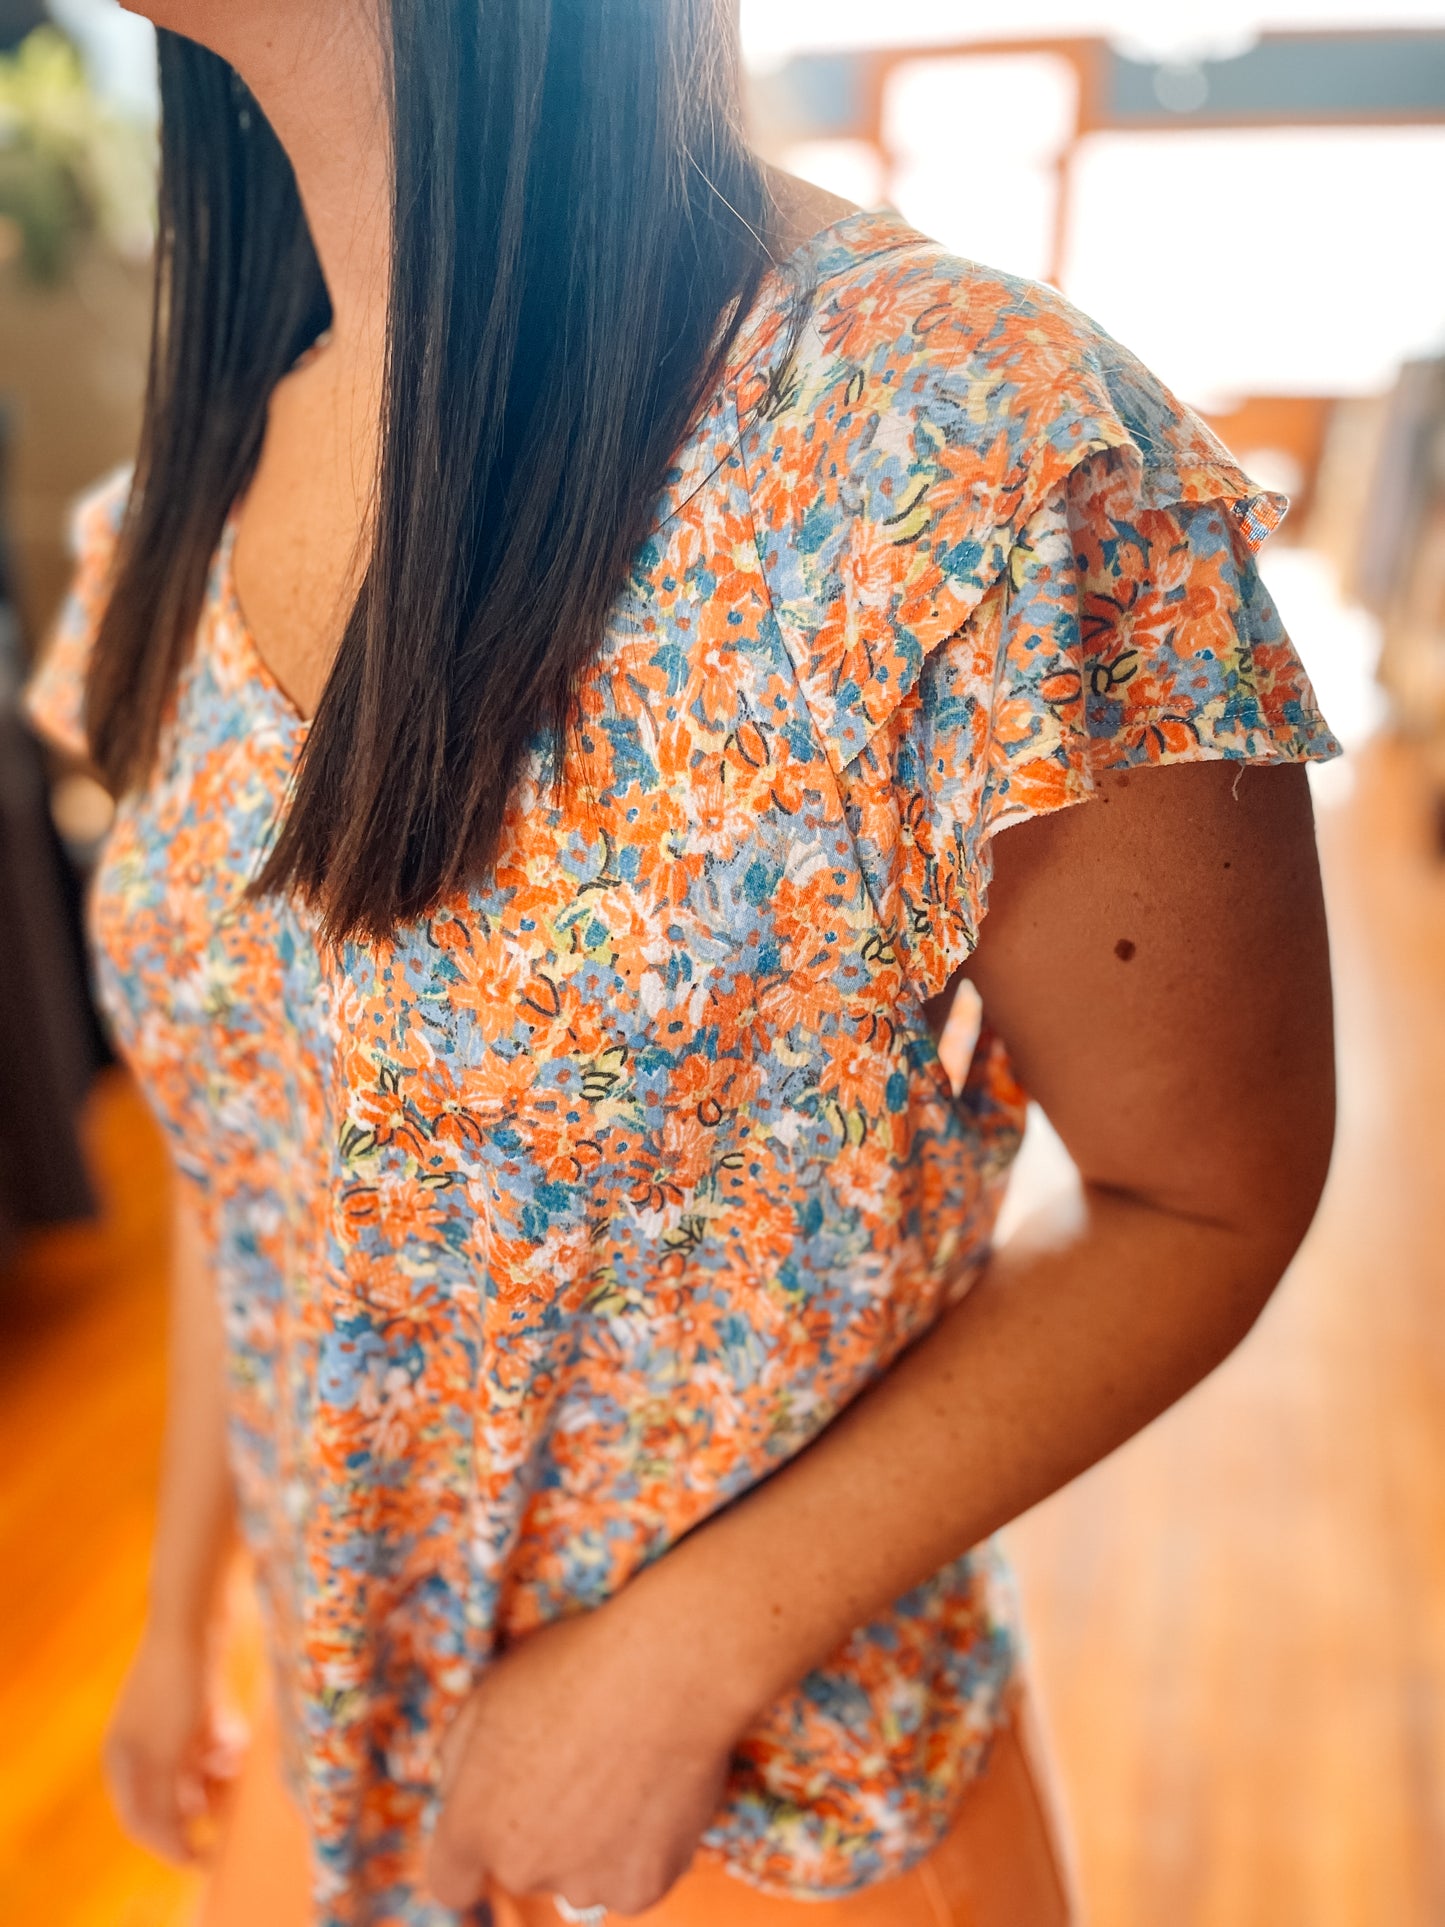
<point>196,1504</point>
<point>1075,1336</point>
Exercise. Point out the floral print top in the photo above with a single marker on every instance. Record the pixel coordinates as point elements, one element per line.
<point>551,1225</point>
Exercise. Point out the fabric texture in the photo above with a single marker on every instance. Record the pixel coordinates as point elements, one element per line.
<point>1005,1861</point>
<point>554,1223</point>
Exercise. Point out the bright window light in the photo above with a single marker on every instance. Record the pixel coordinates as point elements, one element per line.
<point>1026,105</point>
<point>773,29</point>
<point>850,168</point>
<point>975,141</point>
<point>1285,261</point>
<point>1004,220</point>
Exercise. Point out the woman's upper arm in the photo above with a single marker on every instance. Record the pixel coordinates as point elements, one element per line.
<point>1017,582</point>
<point>1157,964</point>
<point>54,696</point>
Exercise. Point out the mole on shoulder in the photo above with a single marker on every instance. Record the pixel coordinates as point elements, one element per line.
<point>1124,949</point>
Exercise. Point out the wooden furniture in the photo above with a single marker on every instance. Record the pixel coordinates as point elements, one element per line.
<point>49,1044</point>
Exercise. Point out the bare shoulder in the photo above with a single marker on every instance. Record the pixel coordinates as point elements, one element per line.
<point>802,209</point>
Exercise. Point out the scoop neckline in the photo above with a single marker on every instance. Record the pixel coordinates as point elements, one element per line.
<point>769,287</point>
<point>234,616</point>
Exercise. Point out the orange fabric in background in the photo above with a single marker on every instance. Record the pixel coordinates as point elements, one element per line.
<point>1005,1863</point>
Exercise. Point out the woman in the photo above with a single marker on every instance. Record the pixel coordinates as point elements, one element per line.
<point>533,918</point>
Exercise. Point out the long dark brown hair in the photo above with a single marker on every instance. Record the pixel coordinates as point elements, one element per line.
<point>579,226</point>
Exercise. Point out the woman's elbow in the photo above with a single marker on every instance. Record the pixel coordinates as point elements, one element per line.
<point>1279,1198</point>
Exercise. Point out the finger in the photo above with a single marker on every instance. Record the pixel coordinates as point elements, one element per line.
<point>123,1777</point>
<point>192,1798</point>
<point>224,1748</point>
<point>147,1799</point>
<point>165,1825</point>
<point>453,1747</point>
<point>202,1801</point>
<point>454,1872</point>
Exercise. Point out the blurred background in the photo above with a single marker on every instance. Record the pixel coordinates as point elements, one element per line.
<point>1239,1621</point>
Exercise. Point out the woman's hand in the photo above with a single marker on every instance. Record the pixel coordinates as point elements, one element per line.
<point>589,1761</point>
<point>170,1750</point>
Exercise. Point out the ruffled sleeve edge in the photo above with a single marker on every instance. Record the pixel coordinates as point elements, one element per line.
<point>1296,731</point>
<point>53,699</point>
<point>854,702</point>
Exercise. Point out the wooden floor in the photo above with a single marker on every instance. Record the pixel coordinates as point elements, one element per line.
<point>1240,1619</point>
<point>81,1387</point>
<point>1238,1622</point>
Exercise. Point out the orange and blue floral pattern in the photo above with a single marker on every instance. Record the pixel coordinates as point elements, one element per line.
<point>555,1223</point>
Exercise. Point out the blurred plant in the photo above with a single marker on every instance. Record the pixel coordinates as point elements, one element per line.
<point>69,165</point>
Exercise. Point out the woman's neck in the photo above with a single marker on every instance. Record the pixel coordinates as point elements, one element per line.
<point>318,70</point>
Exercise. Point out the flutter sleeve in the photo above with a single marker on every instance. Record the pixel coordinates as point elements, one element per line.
<point>1121,634</point>
<point>54,696</point>
<point>1023,565</point>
